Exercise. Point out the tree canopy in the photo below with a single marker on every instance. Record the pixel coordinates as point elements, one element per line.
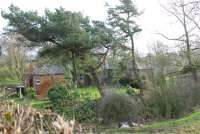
<point>122,18</point>
<point>61,32</point>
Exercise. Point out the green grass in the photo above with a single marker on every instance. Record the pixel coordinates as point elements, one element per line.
<point>183,125</point>
<point>8,82</point>
<point>35,103</point>
<point>186,125</point>
<point>92,93</point>
<point>89,93</point>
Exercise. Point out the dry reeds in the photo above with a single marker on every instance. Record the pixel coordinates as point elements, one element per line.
<point>15,119</point>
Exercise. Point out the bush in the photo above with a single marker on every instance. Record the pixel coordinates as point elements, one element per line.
<point>57,95</point>
<point>166,103</point>
<point>116,108</point>
<point>189,69</point>
<point>173,98</point>
<point>133,92</point>
<point>128,81</point>
<point>136,84</point>
<point>31,92</point>
<point>67,102</point>
<point>124,81</point>
<point>86,112</point>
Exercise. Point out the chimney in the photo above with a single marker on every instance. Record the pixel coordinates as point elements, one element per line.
<point>30,68</point>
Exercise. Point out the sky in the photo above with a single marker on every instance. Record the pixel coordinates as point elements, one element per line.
<point>153,20</point>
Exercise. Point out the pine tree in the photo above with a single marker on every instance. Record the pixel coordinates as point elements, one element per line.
<point>121,18</point>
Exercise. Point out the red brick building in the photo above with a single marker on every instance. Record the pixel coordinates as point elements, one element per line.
<point>43,78</point>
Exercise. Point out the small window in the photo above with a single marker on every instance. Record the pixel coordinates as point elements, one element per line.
<point>37,82</point>
<point>81,77</point>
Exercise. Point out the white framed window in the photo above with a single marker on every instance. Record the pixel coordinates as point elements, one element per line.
<point>37,82</point>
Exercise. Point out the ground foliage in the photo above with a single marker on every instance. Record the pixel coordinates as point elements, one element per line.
<point>18,119</point>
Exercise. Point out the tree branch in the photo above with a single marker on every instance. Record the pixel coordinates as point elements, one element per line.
<point>195,23</point>
<point>174,39</point>
<point>197,48</point>
<point>174,14</point>
<point>103,60</point>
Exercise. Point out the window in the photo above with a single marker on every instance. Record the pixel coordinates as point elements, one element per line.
<point>37,82</point>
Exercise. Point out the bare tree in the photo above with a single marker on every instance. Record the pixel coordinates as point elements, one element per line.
<point>15,54</point>
<point>186,14</point>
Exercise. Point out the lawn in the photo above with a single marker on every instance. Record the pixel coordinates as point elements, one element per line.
<point>186,125</point>
<point>35,103</point>
<point>89,93</point>
<point>9,82</point>
<point>92,93</point>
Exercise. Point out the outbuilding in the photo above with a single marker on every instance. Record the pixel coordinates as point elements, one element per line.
<point>43,78</point>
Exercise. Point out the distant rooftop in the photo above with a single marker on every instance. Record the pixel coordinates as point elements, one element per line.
<point>141,66</point>
<point>49,70</point>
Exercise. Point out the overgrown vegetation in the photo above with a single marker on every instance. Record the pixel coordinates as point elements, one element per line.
<point>117,108</point>
<point>185,125</point>
<point>31,92</point>
<point>71,104</point>
<point>17,119</point>
<point>130,89</point>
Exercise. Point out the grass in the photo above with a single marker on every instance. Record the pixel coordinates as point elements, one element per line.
<point>8,82</point>
<point>92,93</point>
<point>186,125</point>
<point>89,93</point>
<point>35,103</point>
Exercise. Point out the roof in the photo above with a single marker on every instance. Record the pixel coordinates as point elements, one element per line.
<point>143,67</point>
<point>140,66</point>
<point>49,70</point>
<point>99,50</point>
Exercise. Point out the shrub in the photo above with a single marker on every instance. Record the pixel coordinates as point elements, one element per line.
<point>166,103</point>
<point>67,102</point>
<point>189,68</point>
<point>173,98</point>
<point>124,81</point>
<point>136,84</point>
<point>31,92</point>
<point>58,94</point>
<point>133,91</point>
<point>86,112</point>
<point>116,108</point>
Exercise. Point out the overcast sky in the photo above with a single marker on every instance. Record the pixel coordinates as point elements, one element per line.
<point>153,20</point>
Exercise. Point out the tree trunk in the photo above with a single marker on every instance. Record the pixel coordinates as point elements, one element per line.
<point>134,66</point>
<point>135,70</point>
<point>75,80</point>
<point>97,81</point>
<point>187,41</point>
